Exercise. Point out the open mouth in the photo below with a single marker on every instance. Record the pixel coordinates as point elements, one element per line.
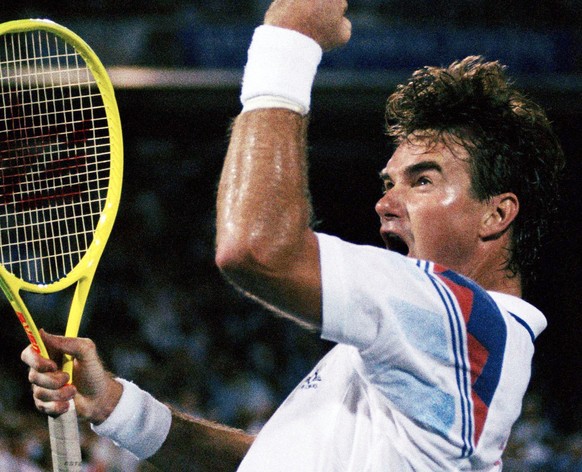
<point>396,243</point>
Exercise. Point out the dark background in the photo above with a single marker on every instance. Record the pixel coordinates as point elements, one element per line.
<point>160,312</point>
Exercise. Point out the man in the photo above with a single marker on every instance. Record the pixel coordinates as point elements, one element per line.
<point>434,344</point>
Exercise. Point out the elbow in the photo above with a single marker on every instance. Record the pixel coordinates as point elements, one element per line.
<point>230,257</point>
<point>239,261</point>
<point>284,278</point>
<point>260,265</point>
<point>252,263</point>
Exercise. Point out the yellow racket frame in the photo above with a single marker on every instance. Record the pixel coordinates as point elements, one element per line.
<point>84,271</point>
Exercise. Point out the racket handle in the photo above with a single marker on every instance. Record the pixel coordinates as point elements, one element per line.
<point>65,444</point>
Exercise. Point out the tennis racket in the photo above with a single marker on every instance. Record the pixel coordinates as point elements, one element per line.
<point>61,165</point>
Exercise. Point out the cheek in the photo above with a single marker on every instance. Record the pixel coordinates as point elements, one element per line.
<point>432,228</point>
<point>430,213</point>
<point>443,231</point>
<point>428,225</point>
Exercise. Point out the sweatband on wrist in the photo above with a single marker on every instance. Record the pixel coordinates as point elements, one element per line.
<point>280,70</point>
<point>139,422</point>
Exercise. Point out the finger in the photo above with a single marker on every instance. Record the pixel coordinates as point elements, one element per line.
<point>80,348</point>
<point>35,361</point>
<point>50,380</point>
<point>53,402</point>
<point>47,395</point>
<point>345,30</point>
<point>53,408</point>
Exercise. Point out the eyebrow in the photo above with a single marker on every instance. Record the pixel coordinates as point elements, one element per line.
<point>415,169</point>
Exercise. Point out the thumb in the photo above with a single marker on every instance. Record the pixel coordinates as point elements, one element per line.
<point>82,349</point>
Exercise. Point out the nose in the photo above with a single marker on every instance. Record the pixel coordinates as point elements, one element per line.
<point>389,205</point>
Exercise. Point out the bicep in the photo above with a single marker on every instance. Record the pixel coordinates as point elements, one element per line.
<point>291,287</point>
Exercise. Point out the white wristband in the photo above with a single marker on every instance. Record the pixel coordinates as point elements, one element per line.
<point>280,70</point>
<point>139,422</point>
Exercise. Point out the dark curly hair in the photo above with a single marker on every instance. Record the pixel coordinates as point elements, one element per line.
<point>509,139</point>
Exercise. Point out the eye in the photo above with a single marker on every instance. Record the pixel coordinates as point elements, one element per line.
<point>387,186</point>
<point>422,181</point>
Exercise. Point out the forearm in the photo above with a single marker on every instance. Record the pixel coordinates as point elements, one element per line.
<point>199,445</point>
<point>263,195</point>
<point>167,438</point>
<point>264,241</point>
<point>265,244</point>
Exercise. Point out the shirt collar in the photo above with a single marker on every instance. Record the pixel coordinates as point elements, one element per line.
<point>528,313</point>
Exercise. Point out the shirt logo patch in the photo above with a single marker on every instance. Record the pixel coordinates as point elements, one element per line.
<point>312,381</point>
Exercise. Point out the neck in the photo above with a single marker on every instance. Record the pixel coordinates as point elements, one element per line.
<point>491,273</point>
<point>506,282</point>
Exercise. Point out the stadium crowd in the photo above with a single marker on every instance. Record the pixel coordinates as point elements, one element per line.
<point>160,311</point>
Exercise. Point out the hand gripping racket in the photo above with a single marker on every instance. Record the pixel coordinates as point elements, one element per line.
<point>61,165</point>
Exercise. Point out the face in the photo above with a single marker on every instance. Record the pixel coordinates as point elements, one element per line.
<point>427,210</point>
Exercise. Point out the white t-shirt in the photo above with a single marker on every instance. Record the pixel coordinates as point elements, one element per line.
<point>428,375</point>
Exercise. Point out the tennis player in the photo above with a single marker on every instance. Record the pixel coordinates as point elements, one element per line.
<point>434,342</point>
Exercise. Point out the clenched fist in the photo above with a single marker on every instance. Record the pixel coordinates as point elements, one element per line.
<point>322,20</point>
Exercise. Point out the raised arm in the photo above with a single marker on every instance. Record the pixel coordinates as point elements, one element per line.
<point>265,244</point>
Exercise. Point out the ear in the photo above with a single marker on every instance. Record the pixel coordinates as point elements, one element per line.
<point>501,212</point>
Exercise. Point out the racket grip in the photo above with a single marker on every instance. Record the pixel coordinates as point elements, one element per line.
<point>65,444</point>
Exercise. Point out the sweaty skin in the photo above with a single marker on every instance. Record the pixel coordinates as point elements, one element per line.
<point>264,242</point>
<point>428,204</point>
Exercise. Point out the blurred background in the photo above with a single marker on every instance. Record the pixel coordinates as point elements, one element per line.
<point>160,312</point>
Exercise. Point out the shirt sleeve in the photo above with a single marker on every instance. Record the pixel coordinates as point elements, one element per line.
<point>385,305</point>
<point>369,292</point>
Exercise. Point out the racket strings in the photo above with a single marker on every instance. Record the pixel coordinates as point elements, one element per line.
<point>54,156</point>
